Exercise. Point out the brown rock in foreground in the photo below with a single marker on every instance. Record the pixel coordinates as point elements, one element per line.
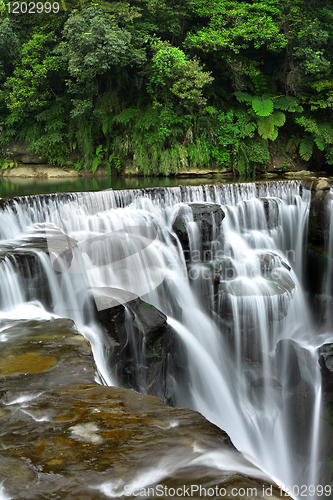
<point>65,437</point>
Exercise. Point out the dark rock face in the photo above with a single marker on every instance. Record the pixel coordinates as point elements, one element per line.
<point>207,215</point>
<point>271,210</point>
<point>24,259</point>
<point>20,153</point>
<point>319,217</point>
<point>145,344</point>
<point>319,228</point>
<point>326,366</point>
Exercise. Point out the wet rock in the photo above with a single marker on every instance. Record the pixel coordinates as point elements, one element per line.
<point>299,173</point>
<point>180,228</point>
<point>326,366</point>
<point>269,175</point>
<point>145,344</point>
<point>279,284</point>
<point>271,209</point>
<point>207,215</point>
<point>65,437</point>
<point>319,217</point>
<point>270,262</point>
<point>321,184</point>
<point>203,211</point>
<point>24,257</point>
<point>44,352</point>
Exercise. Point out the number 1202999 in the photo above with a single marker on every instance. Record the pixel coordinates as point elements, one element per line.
<point>32,7</point>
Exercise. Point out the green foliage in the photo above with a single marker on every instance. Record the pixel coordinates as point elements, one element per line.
<point>306,148</point>
<point>173,75</point>
<point>93,44</point>
<point>169,85</point>
<point>319,134</point>
<point>153,145</point>
<point>262,106</point>
<point>30,86</point>
<point>267,119</point>
<point>236,26</point>
<point>287,103</point>
<point>8,49</point>
<point>279,118</point>
<point>6,164</point>
<point>199,153</point>
<point>293,144</point>
<point>99,154</point>
<point>236,143</point>
<point>48,136</point>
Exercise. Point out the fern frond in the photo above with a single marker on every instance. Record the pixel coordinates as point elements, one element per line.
<point>275,134</point>
<point>287,103</point>
<point>243,97</point>
<point>263,106</point>
<point>259,82</point>
<point>293,144</point>
<point>306,148</point>
<point>319,143</point>
<point>279,118</point>
<point>266,127</point>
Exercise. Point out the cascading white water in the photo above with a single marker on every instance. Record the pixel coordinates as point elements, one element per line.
<point>238,340</point>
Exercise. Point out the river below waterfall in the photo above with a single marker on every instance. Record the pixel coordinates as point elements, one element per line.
<point>226,265</point>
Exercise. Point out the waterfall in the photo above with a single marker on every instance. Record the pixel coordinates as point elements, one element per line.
<point>236,303</point>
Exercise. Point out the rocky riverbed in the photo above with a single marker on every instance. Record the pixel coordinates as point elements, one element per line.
<point>64,436</point>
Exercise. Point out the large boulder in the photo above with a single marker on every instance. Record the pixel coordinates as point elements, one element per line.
<point>208,217</point>
<point>146,346</point>
<point>274,271</point>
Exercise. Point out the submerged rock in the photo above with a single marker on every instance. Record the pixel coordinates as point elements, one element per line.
<point>65,437</point>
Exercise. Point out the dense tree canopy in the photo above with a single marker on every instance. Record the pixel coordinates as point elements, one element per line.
<point>165,84</point>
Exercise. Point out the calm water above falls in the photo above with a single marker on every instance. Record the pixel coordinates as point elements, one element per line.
<point>247,336</point>
<point>16,186</point>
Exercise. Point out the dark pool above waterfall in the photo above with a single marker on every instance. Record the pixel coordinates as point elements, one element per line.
<point>195,294</point>
<point>16,186</point>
